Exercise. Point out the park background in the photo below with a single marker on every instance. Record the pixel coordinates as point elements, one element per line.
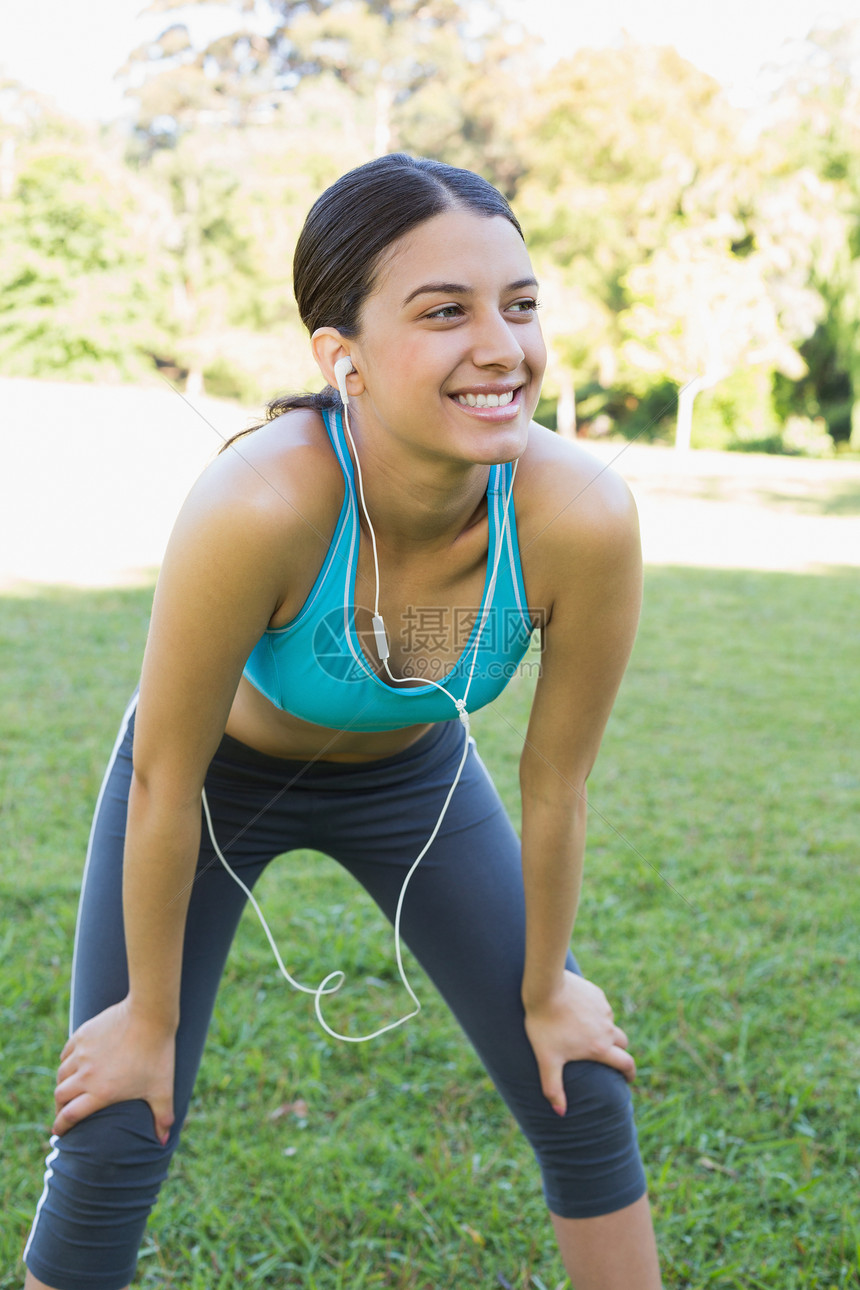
<point>694,238</point>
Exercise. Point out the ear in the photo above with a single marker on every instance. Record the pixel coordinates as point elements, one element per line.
<point>328,346</point>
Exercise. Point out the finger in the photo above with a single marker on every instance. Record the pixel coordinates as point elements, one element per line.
<point>73,1112</point>
<point>67,1089</point>
<point>621,1038</point>
<point>163,1119</point>
<point>615,1055</point>
<point>66,1067</point>
<point>553,1087</point>
<point>625,1063</point>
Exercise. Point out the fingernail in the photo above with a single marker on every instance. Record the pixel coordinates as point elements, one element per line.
<point>164,1139</point>
<point>559,1110</point>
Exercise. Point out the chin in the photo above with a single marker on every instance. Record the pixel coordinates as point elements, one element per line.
<point>504,447</point>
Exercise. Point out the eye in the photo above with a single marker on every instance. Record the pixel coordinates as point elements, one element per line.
<point>527,306</point>
<point>445,312</point>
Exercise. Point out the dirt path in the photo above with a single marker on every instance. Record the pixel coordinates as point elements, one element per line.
<point>91,478</point>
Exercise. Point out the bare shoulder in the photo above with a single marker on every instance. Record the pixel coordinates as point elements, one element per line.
<point>571,486</point>
<point>583,569</point>
<point>245,549</point>
<point>265,509</point>
<point>284,473</point>
<point>574,514</point>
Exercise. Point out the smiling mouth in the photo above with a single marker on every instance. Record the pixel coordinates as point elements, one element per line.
<point>486,400</point>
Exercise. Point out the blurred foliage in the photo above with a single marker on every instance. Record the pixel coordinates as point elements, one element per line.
<point>78,294</point>
<point>695,264</point>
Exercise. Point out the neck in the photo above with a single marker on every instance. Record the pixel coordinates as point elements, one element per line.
<point>416,501</point>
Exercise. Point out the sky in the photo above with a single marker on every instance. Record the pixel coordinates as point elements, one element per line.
<point>70,49</point>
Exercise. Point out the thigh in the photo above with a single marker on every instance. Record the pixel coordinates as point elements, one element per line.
<point>463,913</point>
<point>464,919</point>
<point>103,1176</point>
<point>99,968</point>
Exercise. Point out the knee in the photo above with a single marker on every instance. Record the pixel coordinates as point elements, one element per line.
<point>103,1179</point>
<point>589,1158</point>
<point>597,1095</point>
<point>114,1144</point>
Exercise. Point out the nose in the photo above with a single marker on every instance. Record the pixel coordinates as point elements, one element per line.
<point>496,343</point>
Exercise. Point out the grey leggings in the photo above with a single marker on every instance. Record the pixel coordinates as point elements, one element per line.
<point>462,918</point>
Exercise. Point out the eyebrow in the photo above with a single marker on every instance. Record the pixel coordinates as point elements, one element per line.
<point>458,289</point>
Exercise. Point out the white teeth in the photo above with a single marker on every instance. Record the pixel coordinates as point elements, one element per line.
<point>486,400</point>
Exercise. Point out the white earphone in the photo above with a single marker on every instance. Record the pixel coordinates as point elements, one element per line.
<point>342,369</point>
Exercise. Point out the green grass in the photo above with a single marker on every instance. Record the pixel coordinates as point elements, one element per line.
<point>720,913</point>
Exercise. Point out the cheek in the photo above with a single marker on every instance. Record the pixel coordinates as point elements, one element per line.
<point>413,362</point>
<point>536,352</point>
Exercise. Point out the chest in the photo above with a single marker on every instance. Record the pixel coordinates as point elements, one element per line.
<point>430,604</point>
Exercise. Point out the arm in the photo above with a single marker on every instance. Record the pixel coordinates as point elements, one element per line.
<point>594,560</point>
<point>218,589</point>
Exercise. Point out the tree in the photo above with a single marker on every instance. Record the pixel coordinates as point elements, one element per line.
<point>816,125</point>
<point>326,87</point>
<point>471,116</point>
<point>732,290</point>
<point>384,51</point>
<point>235,201</point>
<point>206,252</point>
<point>615,138</point>
<point>74,239</point>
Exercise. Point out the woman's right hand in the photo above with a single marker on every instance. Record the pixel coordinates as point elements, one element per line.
<point>116,1056</point>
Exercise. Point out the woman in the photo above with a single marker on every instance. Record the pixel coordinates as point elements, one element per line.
<point>279,689</point>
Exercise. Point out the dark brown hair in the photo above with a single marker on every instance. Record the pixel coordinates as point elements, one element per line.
<point>350,226</point>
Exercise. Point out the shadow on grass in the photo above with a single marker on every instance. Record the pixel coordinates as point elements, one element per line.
<point>800,496</point>
<point>830,499</point>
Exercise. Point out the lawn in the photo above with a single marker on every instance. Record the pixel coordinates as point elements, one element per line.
<point>720,914</point>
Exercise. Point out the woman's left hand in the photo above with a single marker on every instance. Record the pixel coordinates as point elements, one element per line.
<point>574,1024</point>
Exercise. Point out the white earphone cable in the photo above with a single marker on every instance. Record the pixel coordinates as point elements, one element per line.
<point>332,983</point>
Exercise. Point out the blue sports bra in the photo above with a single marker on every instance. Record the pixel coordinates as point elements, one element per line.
<point>315,668</point>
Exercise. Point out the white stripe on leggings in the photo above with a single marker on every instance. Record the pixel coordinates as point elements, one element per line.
<point>55,1141</point>
<point>127,715</point>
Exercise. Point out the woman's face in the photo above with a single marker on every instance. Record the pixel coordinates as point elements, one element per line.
<point>450,350</point>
